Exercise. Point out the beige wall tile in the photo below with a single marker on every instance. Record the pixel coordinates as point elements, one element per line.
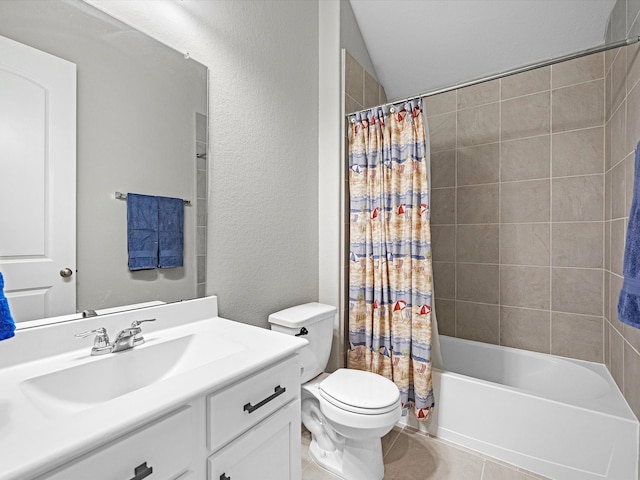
<point>607,294</point>
<point>577,198</point>
<point>607,97</point>
<point>443,169</point>
<point>618,241</point>
<point>630,174</point>
<point>525,202</point>
<point>578,106</point>
<point>443,206</point>
<point>526,116</point>
<point>382,95</point>
<point>480,94</point>
<point>618,134</point>
<point>631,375</point>
<point>607,146</point>
<point>478,125</point>
<point>443,243</point>
<point>446,316</point>
<point>607,195</point>
<point>444,279</point>
<point>524,244</point>
<point>371,91</point>
<point>354,79</point>
<point>578,70</point>
<point>607,245</point>
<point>524,286</point>
<point>525,159</point>
<point>631,335</point>
<point>633,119</point>
<point>477,321</point>
<point>534,81</point>
<point>577,244</point>
<point>577,290</point>
<point>619,191</point>
<point>442,103</point>
<point>477,283</point>
<point>616,347</point>
<point>579,152</point>
<point>351,106</point>
<point>618,79</point>
<point>477,204</point>
<point>633,65</point>
<point>480,164</point>
<point>442,132</point>
<point>524,328</point>
<point>477,243</point>
<point>606,345</point>
<point>609,56</point>
<point>577,336</point>
<point>614,294</point>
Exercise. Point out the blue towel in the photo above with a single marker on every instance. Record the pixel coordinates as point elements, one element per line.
<point>629,301</point>
<point>142,231</point>
<point>170,232</point>
<point>7,326</point>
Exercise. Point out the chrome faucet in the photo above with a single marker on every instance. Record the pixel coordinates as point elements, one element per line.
<point>126,338</point>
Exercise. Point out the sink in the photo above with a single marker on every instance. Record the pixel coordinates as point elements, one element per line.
<point>103,378</point>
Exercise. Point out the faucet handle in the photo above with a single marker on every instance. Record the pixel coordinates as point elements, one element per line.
<point>136,323</point>
<point>101,340</point>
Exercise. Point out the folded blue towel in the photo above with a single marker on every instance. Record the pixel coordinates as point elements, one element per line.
<point>142,231</point>
<point>170,232</point>
<point>7,326</point>
<point>629,301</point>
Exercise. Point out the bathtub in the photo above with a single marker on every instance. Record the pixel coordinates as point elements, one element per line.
<point>562,418</point>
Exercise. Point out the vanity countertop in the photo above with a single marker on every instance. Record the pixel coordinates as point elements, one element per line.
<point>35,437</point>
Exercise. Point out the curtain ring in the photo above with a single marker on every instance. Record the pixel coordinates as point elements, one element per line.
<point>392,110</point>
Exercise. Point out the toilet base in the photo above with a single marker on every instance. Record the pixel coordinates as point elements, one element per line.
<point>357,460</point>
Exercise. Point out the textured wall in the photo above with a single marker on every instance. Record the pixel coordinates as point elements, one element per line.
<point>517,209</point>
<point>262,234</point>
<point>622,133</point>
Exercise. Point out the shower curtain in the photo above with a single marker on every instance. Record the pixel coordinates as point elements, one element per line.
<point>390,270</point>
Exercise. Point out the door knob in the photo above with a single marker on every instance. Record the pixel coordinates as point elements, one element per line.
<point>66,272</point>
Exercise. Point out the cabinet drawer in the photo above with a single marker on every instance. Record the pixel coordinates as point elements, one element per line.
<point>165,446</point>
<point>269,451</point>
<point>235,409</point>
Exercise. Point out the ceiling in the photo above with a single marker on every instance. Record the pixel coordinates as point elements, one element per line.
<point>420,45</point>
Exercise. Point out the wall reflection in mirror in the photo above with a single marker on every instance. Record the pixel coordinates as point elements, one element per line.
<point>141,127</point>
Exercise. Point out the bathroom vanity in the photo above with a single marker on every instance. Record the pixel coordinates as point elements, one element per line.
<point>202,398</point>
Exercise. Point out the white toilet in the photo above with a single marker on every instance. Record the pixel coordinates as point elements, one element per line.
<point>348,411</point>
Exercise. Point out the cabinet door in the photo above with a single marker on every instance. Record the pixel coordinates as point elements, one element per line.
<point>269,451</point>
<point>165,447</point>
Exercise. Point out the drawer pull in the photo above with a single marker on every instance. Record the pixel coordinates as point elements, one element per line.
<point>142,471</point>
<point>252,408</point>
<point>224,477</point>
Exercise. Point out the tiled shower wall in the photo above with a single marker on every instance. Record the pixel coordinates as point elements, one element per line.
<point>518,209</point>
<point>622,133</point>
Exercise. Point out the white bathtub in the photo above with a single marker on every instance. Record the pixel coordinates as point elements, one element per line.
<point>562,418</point>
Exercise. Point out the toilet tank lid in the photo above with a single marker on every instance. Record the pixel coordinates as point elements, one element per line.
<point>300,315</point>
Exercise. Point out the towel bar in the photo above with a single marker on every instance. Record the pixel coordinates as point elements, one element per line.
<point>123,196</point>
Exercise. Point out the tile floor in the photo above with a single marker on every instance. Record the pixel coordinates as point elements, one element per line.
<point>411,455</point>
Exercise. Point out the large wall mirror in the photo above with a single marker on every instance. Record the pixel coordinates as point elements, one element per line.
<point>141,127</point>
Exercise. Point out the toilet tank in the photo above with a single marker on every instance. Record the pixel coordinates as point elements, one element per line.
<point>317,320</point>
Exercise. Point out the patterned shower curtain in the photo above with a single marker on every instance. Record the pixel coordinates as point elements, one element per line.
<point>390,270</point>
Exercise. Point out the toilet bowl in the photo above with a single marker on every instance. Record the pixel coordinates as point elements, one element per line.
<point>348,411</point>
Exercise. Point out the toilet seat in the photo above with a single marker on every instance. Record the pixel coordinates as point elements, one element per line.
<point>361,392</point>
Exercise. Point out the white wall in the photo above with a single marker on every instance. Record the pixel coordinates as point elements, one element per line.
<point>263,140</point>
<point>351,38</point>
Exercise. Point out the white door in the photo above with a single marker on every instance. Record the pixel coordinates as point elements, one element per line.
<point>37,181</point>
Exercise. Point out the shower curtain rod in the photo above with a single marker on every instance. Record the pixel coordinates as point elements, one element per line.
<point>526,68</point>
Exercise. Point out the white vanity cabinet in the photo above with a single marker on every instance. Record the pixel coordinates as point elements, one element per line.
<point>162,450</point>
<point>247,430</point>
<point>262,416</point>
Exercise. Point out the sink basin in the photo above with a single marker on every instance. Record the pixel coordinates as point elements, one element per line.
<point>104,378</point>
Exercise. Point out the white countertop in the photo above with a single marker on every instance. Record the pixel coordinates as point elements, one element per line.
<point>33,440</point>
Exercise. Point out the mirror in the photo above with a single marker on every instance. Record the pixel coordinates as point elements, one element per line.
<point>141,128</point>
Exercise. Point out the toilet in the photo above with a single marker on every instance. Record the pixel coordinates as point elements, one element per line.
<point>348,411</point>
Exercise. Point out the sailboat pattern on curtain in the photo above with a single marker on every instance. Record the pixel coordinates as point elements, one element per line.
<point>390,268</point>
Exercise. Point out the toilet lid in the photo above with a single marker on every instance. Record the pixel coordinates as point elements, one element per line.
<point>359,391</point>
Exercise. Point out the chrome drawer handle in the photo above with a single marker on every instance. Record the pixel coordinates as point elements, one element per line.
<point>142,471</point>
<point>252,408</point>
